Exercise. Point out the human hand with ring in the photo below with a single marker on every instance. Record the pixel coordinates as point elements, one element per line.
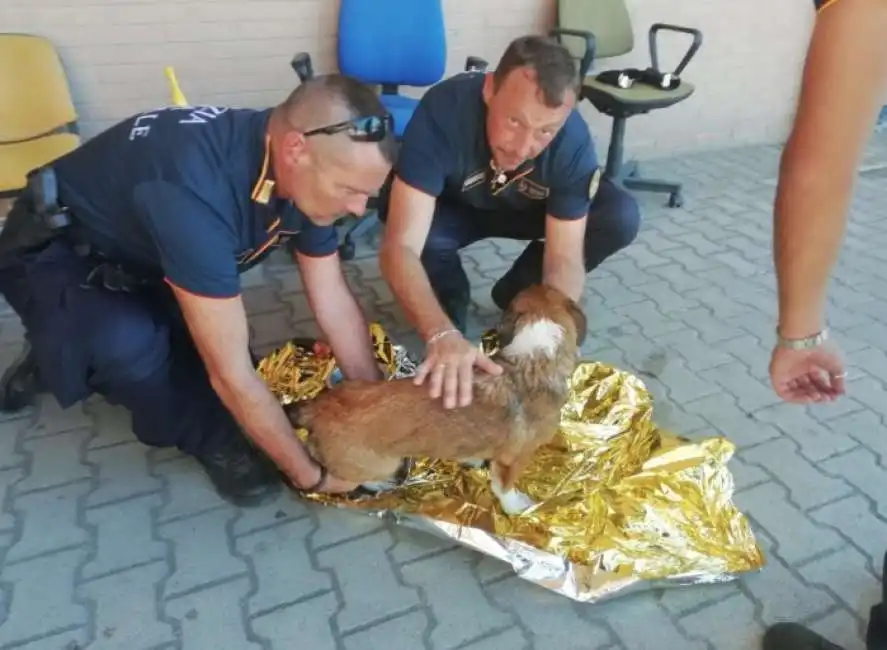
<point>804,376</point>
<point>449,368</point>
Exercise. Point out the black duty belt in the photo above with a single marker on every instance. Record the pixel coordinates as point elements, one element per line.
<point>38,218</point>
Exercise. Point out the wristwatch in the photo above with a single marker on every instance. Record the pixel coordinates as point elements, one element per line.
<point>802,344</point>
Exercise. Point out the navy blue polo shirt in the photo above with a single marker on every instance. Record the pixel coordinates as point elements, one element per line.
<point>445,154</point>
<point>182,194</point>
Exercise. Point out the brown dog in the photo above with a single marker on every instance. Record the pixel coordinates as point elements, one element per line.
<point>362,431</point>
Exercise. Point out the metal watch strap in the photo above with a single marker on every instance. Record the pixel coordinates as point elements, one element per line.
<point>802,344</point>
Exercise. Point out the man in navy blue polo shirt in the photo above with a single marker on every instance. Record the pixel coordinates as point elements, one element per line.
<point>502,154</point>
<point>174,205</point>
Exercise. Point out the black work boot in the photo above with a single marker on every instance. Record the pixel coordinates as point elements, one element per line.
<point>21,383</point>
<point>793,636</point>
<point>240,472</point>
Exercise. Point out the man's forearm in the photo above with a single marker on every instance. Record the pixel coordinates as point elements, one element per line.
<point>564,274</point>
<point>260,415</point>
<point>405,275</point>
<point>845,77</point>
<point>345,328</point>
<point>810,217</point>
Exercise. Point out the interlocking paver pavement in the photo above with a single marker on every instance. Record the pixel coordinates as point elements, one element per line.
<point>108,544</point>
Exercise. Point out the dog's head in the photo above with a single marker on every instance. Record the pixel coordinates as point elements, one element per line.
<point>540,319</point>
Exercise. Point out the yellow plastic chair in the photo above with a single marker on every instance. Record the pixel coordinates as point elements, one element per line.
<point>38,121</point>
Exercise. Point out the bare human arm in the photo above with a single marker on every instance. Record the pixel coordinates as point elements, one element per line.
<point>219,329</point>
<point>450,358</point>
<point>563,262</point>
<point>338,315</point>
<point>410,212</point>
<point>843,87</point>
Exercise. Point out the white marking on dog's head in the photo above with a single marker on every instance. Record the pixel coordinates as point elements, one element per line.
<point>542,336</point>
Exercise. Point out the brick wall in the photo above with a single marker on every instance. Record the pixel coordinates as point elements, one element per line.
<point>238,52</point>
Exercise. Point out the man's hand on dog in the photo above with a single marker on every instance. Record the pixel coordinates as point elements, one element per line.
<point>449,368</point>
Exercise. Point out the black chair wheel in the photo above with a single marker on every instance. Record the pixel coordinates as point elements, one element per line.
<point>675,200</point>
<point>347,251</point>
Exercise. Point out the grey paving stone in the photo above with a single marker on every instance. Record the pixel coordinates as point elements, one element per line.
<point>358,564</point>
<point>8,478</point>
<point>10,431</point>
<point>808,487</point>
<point>458,620</point>
<point>513,639</point>
<point>121,618</point>
<point>642,624</point>
<point>55,460</point>
<point>856,518</point>
<point>546,618</point>
<point>50,521</point>
<point>189,490</point>
<point>816,441</point>
<point>296,625</point>
<point>779,593</point>
<point>124,536</point>
<point>407,630</point>
<point>842,628</point>
<point>202,551</point>
<point>798,538</point>
<point>845,573</point>
<point>38,608</point>
<point>727,625</point>
<point>213,618</point>
<point>282,566</point>
<point>123,473</point>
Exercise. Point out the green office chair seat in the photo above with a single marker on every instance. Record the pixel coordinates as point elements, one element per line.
<point>639,98</point>
<point>600,29</point>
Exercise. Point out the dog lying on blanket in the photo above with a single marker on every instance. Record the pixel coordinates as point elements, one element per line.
<point>364,431</point>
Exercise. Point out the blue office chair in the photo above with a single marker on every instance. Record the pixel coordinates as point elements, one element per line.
<point>389,43</point>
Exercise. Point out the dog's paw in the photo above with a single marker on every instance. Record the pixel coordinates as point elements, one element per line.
<point>514,502</point>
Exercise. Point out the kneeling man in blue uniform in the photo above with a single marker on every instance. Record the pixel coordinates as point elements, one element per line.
<point>123,261</point>
<point>501,154</point>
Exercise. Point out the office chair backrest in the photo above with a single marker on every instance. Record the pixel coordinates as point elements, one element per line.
<point>608,20</point>
<point>393,41</point>
<point>34,95</point>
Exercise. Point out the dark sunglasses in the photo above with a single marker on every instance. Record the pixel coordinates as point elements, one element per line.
<point>373,128</point>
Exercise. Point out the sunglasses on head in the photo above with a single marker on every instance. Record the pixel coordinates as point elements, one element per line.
<point>372,128</point>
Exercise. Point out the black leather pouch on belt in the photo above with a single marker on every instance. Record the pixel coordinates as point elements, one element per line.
<point>36,218</point>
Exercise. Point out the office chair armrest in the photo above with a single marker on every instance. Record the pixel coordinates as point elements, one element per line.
<point>476,64</point>
<point>691,51</point>
<point>301,63</point>
<point>588,55</point>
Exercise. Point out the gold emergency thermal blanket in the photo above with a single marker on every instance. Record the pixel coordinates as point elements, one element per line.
<point>622,504</point>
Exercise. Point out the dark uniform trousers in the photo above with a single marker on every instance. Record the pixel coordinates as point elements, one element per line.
<point>613,223</point>
<point>131,347</point>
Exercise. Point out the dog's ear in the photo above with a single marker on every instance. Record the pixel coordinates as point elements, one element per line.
<point>578,316</point>
<point>505,328</point>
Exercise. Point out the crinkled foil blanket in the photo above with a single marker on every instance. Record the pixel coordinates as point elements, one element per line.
<point>622,504</point>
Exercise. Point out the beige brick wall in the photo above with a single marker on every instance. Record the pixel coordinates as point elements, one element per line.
<point>238,52</point>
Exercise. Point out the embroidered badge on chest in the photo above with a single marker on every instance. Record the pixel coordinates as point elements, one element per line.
<point>532,190</point>
<point>474,179</point>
